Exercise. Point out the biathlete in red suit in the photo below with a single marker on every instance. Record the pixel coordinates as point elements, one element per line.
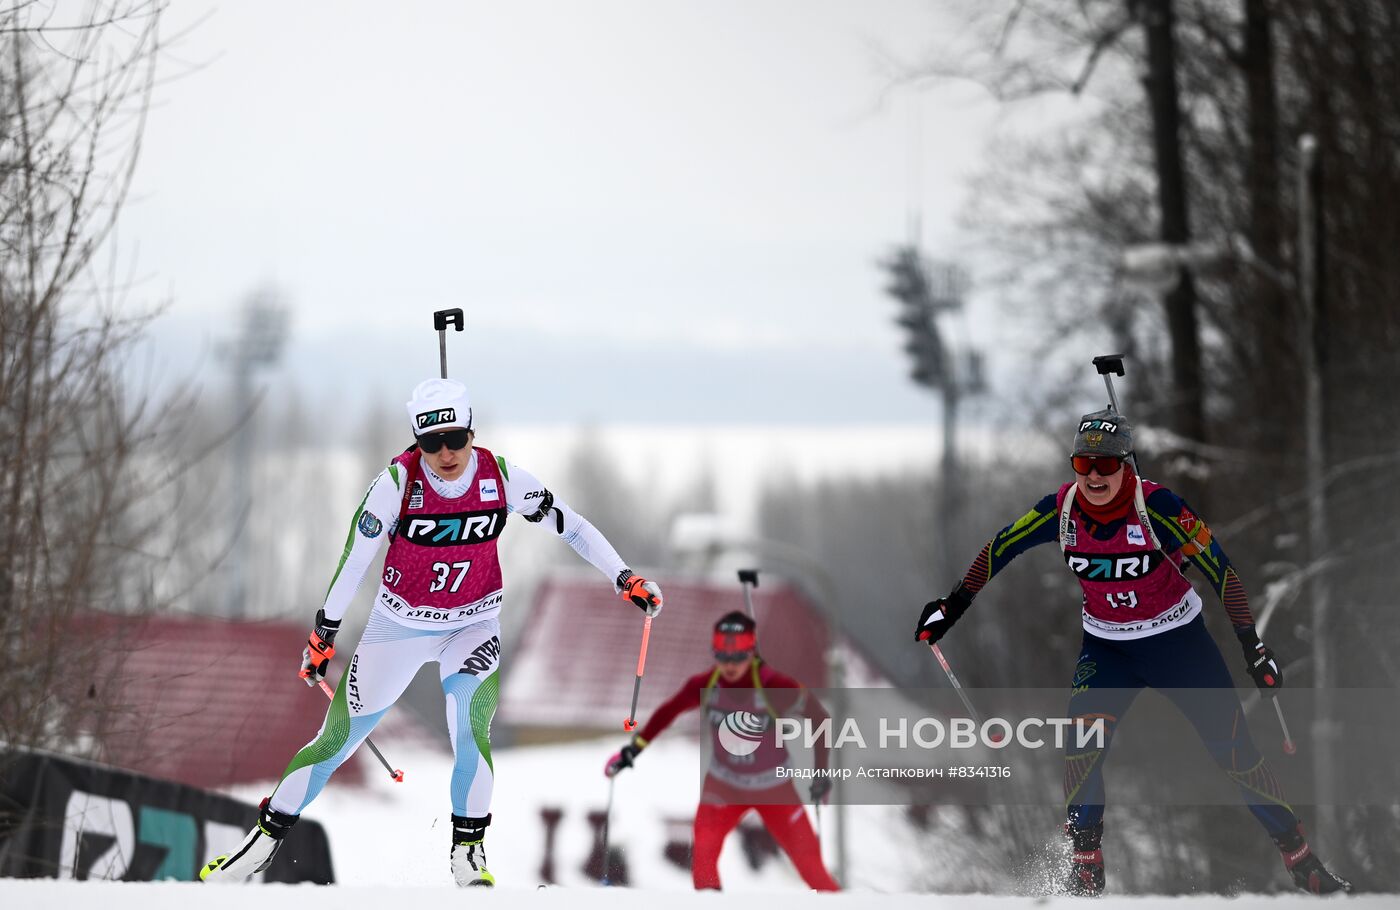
<point>742,697</point>
<point>1129,541</point>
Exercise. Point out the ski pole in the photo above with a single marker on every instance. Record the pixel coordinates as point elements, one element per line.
<point>441,320</point>
<point>607,825</point>
<point>1288,745</point>
<point>630,723</point>
<point>957,686</point>
<point>396,774</point>
<point>748,577</point>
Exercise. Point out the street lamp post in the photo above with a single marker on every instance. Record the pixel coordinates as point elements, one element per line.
<point>1318,590</point>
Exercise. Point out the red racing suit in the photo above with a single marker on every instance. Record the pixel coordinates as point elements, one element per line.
<point>738,783</point>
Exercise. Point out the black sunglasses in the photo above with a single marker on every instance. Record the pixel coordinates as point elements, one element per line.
<point>453,439</point>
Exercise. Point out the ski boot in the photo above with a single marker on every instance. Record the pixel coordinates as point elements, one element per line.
<point>469,852</point>
<point>1085,875</point>
<point>255,853</point>
<point>1307,870</point>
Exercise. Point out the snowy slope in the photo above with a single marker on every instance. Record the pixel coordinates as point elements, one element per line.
<point>389,843</point>
<point>390,833</point>
<point>48,895</point>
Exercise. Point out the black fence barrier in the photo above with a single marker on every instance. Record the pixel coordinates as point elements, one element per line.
<point>65,818</point>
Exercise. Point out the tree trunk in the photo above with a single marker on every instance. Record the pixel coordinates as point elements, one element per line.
<point>1272,312</point>
<point>1187,410</point>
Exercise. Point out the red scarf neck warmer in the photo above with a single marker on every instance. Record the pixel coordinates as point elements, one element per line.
<point>1115,508</point>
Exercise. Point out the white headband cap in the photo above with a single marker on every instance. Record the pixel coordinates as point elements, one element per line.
<point>439,404</point>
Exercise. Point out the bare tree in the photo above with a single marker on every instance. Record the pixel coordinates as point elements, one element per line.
<point>82,448</point>
<point>1253,76</point>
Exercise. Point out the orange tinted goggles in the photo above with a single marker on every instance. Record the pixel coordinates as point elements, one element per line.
<point>1106,465</point>
<point>734,646</point>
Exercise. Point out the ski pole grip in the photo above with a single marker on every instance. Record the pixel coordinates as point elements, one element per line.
<point>453,317</point>
<point>748,577</point>
<point>1109,363</point>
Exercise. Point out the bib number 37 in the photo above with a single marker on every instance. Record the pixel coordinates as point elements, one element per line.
<point>442,571</point>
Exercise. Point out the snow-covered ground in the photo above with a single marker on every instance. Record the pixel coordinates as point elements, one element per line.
<point>51,895</point>
<point>394,834</point>
<point>389,843</point>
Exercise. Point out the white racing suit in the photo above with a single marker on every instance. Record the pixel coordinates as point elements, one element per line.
<point>439,601</point>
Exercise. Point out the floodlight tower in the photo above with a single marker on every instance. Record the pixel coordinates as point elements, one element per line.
<point>925,290</point>
<point>262,329</point>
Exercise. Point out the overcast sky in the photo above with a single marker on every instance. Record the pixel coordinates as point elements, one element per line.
<point>650,211</point>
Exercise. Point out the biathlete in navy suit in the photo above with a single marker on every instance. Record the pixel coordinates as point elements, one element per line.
<point>1129,541</point>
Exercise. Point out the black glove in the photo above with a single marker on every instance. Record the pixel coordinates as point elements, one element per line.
<point>621,759</point>
<point>320,648</point>
<point>821,788</point>
<point>939,615</point>
<point>1260,663</point>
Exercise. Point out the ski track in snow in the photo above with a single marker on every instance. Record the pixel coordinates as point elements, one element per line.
<point>52,895</point>
<point>389,844</point>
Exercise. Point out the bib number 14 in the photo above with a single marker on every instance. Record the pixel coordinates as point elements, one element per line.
<point>443,570</point>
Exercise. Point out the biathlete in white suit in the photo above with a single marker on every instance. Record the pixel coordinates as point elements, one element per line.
<point>442,504</point>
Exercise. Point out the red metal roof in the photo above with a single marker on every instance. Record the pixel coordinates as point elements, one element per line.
<point>209,702</point>
<point>576,661</point>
